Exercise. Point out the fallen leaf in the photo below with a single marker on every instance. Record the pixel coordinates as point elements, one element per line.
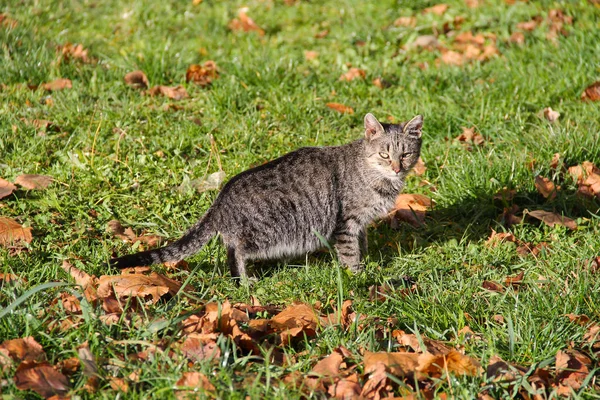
<point>340,108</point>
<point>496,238</point>
<point>127,235</point>
<point>195,383</point>
<point>498,318</point>
<point>555,160</point>
<point>545,187</point>
<point>406,21</point>
<point>322,34</point>
<point>452,58</point>
<point>411,208</point>
<point>197,348</point>
<point>58,84</point>
<point>310,55</point>
<point>24,349</point>
<point>592,92</point>
<point>400,364</point>
<point>6,188</point>
<point>579,319</point>
<point>422,345</point>
<point>296,320</point>
<point>137,80</point>
<point>419,168</point>
<point>33,181</point>
<point>572,368</point>
<point>515,280</point>
<point>493,286</point>
<point>530,25</point>
<point>517,37</point>
<point>137,285</point>
<point>352,74</point>
<point>202,75</point>
<point>425,41</point>
<point>74,51</point>
<point>8,22</point>
<point>505,194</point>
<point>175,93</point>
<point>8,278</point>
<point>42,124</point>
<point>376,384</point>
<point>473,3</point>
<point>42,378</point>
<point>550,114</point>
<point>244,23</point>
<point>438,9</point>
<point>324,371</point>
<point>345,389</point>
<point>11,232</point>
<point>469,135</point>
<point>551,219</point>
<point>453,362</point>
<point>118,384</point>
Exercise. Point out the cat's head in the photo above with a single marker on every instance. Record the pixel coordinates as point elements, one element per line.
<point>393,149</point>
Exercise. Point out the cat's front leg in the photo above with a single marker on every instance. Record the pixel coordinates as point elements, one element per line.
<point>363,243</point>
<point>348,249</point>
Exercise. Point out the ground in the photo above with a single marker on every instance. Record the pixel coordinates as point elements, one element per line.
<point>116,152</point>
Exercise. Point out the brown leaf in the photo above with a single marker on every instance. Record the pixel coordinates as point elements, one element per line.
<point>11,232</point>
<point>244,23</point>
<point>58,84</point>
<point>493,286</point>
<point>581,172</point>
<point>572,368</point>
<point>345,389</point>
<point>6,188</point>
<point>400,364</point>
<point>551,115</point>
<point>517,37</point>
<point>546,187</point>
<point>497,238</point>
<point>374,387</point>
<point>419,168</point>
<point>8,22</point>
<point>324,371</point>
<point>137,285</point>
<point>411,208</point>
<point>470,136</point>
<point>175,93</point>
<point>473,3</point>
<point>322,34</point>
<point>340,108</point>
<point>74,51</point>
<point>438,9</point>
<point>352,74</point>
<point>406,21</point>
<point>295,321</point>
<point>505,194</point>
<point>551,219</point>
<point>529,25</point>
<point>25,349</point>
<point>202,75</point>
<point>137,80</point>
<point>410,340</point>
<point>310,55</point>
<point>42,125</point>
<point>452,58</point>
<point>41,378</point>
<point>579,319</point>
<point>515,280</point>
<point>33,181</point>
<point>555,160</point>
<point>429,42</point>
<point>195,383</point>
<point>498,318</point>
<point>118,384</point>
<point>453,362</point>
<point>196,347</point>
<point>592,92</point>
<point>5,277</point>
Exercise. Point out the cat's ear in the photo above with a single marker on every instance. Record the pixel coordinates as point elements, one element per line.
<point>373,128</point>
<point>414,126</point>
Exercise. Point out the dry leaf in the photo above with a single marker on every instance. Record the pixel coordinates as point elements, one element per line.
<point>340,108</point>
<point>411,208</point>
<point>137,80</point>
<point>493,286</point>
<point>352,74</point>
<point>517,37</point>
<point>74,51</point>
<point>470,136</point>
<point>325,370</point>
<point>6,188</point>
<point>195,383</point>
<point>410,340</point>
<point>7,21</point>
<point>58,84</point>
<point>197,348</point>
<point>400,364</point>
<point>529,25</point>
<point>202,75</point>
<point>572,368</point>
<point>296,320</point>
<point>505,194</point>
<point>551,219</point>
<point>42,124</point>
<point>118,384</point>
<point>244,23</point>
<point>498,318</point>
<point>41,378</point>
<point>592,92</point>
<point>25,349</point>
<point>546,187</point>
<point>550,114</point>
<point>425,41</point>
<point>438,9</point>
<point>33,181</point>
<point>453,362</point>
<point>579,319</point>
<point>310,55</point>
<point>11,232</point>
<point>127,235</point>
<point>175,93</point>
<point>497,238</point>
<point>452,58</point>
<point>406,21</point>
<point>515,280</point>
<point>137,285</point>
<point>473,3</point>
<point>419,168</point>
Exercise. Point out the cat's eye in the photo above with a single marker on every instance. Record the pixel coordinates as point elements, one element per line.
<point>385,156</point>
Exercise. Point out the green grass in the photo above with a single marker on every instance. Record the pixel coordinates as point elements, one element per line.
<point>268,101</point>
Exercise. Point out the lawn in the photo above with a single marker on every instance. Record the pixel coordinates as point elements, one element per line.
<point>292,74</point>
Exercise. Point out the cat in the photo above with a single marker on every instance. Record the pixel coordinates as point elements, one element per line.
<point>285,207</point>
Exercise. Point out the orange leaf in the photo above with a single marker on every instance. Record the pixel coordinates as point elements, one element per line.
<point>295,320</point>
<point>496,238</point>
<point>311,55</point>
<point>42,378</point>
<point>550,114</point>
<point>551,219</point>
<point>438,9</point>
<point>11,232</point>
<point>33,181</point>
<point>197,347</point>
<point>137,80</point>
<point>517,38</point>
<point>340,108</point>
<point>74,51</point>
<point>25,349</point>
<point>546,187</point>
<point>592,92</point>
<point>244,23</point>
<point>453,362</point>
<point>175,93</point>
<point>572,368</point>
<point>195,382</point>
<point>202,75</point>
<point>493,286</point>
<point>470,136</point>
<point>406,21</point>
<point>58,84</point>
<point>137,285</point>
<point>399,364</point>
<point>6,188</point>
<point>452,58</point>
<point>352,74</point>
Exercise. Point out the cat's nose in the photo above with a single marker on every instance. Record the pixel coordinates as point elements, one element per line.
<point>396,167</point>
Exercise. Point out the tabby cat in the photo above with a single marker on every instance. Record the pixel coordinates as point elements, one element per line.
<point>279,209</point>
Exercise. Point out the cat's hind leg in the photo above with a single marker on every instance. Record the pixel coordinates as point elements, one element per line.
<point>237,263</point>
<point>348,249</point>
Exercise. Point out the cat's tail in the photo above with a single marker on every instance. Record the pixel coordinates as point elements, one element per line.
<point>190,243</point>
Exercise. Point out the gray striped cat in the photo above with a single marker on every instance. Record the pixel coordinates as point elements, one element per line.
<point>275,211</point>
